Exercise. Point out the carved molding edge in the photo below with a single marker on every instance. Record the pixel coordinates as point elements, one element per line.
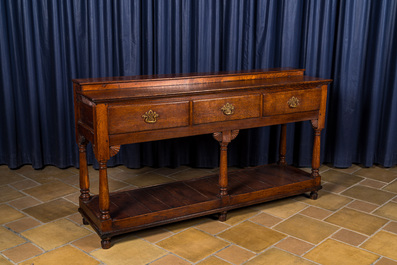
<point>219,136</point>
<point>114,149</point>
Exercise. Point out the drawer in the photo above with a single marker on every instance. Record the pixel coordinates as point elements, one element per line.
<point>226,109</point>
<point>277,103</point>
<point>134,118</point>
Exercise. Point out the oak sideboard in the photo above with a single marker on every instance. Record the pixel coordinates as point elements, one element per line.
<point>110,112</point>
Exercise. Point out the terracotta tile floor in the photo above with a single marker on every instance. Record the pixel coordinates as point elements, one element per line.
<point>354,221</point>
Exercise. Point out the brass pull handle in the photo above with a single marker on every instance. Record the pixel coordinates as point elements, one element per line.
<point>150,116</point>
<point>228,109</point>
<point>293,102</point>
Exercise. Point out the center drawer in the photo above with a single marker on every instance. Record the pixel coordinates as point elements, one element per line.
<point>226,109</point>
<point>134,118</point>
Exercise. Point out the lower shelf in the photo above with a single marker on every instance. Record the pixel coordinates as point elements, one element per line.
<point>161,204</point>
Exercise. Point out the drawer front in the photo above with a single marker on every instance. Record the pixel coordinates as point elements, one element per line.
<point>292,101</point>
<point>225,109</point>
<point>134,118</point>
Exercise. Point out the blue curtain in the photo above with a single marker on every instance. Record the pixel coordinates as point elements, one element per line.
<point>44,44</point>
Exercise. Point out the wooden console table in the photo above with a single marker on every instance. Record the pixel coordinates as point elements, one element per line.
<point>110,112</point>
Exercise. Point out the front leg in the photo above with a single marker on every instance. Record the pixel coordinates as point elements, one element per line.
<point>316,159</point>
<point>106,243</point>
<point>224,138</point>
<point>103,191</point>
<point>83,171</point>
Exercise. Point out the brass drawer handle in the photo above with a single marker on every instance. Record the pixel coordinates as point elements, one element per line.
<point>228,109</point>
<point>293,102</point>
<point>150,116</point>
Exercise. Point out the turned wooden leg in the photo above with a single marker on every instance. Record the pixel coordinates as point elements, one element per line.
<point>316,162</point>
<point>103,191</point>
<point>222,216</point>
<point>106,243</point>
<point>224,138</point>
<point>314,195</point>
<point>83,172</point>
<point>85,222</point>
<point>283,144</point>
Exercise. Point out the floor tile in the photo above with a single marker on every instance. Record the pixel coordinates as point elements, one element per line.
<point>235,254</point>
<point>368,194</point>
<point>170,260</point>
<point>166,171</point>
<point>376,173</point>
<point>389,210</point>
<point>266,219</point>
<point>373,183</point>
<point>306,228</point>
<point>180,226</point>
<point>22,252</point>
<point>148,179</point>
<point>357,221</point>
<point>349,237</point>
<point>348,170</point>
<point>154,234</point>
<point>393,168</point>
<point>113,185</point>
<point>9,239</point>
<point>391,227</point>
<point>213,261</point>
<point>276,256</point>
<point>24,184</point>
<point>45,175</point>
<point>135,171</point>
<point>73,180</point>
<point>8,176</point>
<point>4,261</point>
<point>190,174</point>
<point>213,226</point>
<point>55,234</point>
<point>49,211</point>
<point>340,178</point>
<point>332,252</point>
<point>88,243</point>
<point>315,212</point>
<point>139,252</point>
<point>326,201</point>
<point>391,187</point>
<point>385,261</point>
<point>282,208</point>
<point>9,194</point>
<point>9,214</point>
<point>23,224</point>
<point>73,198</point>
<point>363,206</point>
<point>295,246</point>
<point>240,215</point>
<point>383,243</point>
<point>252,236</point>
<point>62,256</point>
<point>192,244</point>
<point>50,191</point>
<point>24,202</point>
<point>334,188</point>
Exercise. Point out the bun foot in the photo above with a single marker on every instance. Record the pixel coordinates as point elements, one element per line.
<point>85,222</point>
<point>105,243</point>
<point>222,216</point>
<point>313,195</point>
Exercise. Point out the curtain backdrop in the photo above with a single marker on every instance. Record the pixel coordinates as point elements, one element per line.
<point>44,44</point>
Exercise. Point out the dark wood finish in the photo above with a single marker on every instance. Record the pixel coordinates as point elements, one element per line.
<point>113,111</point>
